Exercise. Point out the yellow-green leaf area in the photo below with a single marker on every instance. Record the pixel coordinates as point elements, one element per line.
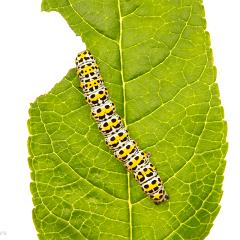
<point>157,63</point>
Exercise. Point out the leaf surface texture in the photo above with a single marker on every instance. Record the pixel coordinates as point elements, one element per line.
<point>157,63</point>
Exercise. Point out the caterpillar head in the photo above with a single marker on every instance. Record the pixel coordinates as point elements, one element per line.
<point>84,57</point>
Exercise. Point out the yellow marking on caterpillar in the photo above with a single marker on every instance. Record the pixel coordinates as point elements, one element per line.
<point>87,70</point>
<point>136,162</point>
<point>150,187</point>
<point>97,96</point>
<point>93,83</point>
<point>110,125</point>
<point>158,196</point>
<point>141,174</point>
<point>126,152</point>
<point>117,139</point>
<point>104,111</point>
<point>82,55</point>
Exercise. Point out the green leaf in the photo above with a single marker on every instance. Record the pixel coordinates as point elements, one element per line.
<point>156,60</point>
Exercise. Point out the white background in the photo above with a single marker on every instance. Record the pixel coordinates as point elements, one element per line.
<point>36,51</point>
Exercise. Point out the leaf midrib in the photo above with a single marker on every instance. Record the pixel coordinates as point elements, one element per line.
<point>124,113</point>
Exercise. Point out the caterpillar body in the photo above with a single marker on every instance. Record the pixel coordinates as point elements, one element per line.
<point>116,136</point>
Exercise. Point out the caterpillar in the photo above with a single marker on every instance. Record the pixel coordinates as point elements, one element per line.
<point>110,124</point>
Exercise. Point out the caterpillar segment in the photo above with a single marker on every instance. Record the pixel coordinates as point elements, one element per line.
<point>139,159</point>
<point>103,112</point>
<point>98,97</point>
<point>125,152</point>
<point>92,86</point>
<point>111,125</point>
<point>118,139</point>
